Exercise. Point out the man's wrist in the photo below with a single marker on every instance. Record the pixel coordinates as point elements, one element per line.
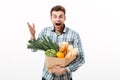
<point>67,69</point>
<point>32,38</point>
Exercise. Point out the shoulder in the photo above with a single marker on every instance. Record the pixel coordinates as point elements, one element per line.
<point>47,28</point>
<point>71,31</point>
<point>45,31</point>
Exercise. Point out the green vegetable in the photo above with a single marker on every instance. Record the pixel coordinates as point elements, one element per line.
<point>51,52</point>
<point>43,43</point>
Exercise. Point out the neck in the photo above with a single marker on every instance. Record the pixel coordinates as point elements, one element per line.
<point>61,31</point>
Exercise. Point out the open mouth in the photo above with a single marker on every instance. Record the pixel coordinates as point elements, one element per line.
<point>58,24</point>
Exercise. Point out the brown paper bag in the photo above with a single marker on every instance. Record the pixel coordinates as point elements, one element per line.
<point>54,61</point>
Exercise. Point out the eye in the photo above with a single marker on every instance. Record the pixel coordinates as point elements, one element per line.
<point>60,16</point>
<point>54,16</point>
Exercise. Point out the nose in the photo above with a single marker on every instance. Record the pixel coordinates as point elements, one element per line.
<point>58,19</point>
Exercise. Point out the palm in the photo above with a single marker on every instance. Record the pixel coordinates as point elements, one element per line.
<point>32,30</point>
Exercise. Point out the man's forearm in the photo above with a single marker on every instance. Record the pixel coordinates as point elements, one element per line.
<point>76,64</point>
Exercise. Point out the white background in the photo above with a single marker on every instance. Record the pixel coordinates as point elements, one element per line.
<point>97,21</point>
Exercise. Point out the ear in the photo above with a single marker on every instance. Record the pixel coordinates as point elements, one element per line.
<point>51,18</point>
<point>65,17</point>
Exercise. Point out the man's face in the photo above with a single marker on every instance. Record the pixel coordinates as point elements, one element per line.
<point>58,18</point>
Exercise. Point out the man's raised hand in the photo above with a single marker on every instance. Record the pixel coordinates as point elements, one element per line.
<point>32,30</point>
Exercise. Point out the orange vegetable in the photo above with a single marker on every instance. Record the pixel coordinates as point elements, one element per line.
<point>60,55</point>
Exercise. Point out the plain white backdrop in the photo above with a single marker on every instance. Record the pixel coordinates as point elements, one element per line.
<point>97,22</point>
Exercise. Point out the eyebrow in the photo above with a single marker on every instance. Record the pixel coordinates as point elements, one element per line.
<point>56,15</point>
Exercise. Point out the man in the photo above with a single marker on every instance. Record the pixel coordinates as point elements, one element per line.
<point>60,33</point>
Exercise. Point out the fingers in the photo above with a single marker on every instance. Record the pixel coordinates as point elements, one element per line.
<point>31,29</point>
<point>57,67</point>
<point>54,70</point>
<point>28,24</point>
<point>58,70</point>
<point>33,25</point>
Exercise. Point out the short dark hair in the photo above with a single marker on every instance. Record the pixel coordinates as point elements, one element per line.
<point>58,8</point>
